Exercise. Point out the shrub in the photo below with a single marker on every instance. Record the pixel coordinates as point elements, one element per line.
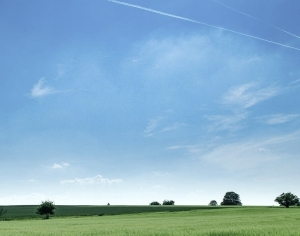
<point>155,203</point>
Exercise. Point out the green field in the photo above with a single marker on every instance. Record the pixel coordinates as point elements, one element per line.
<point>167,221</point>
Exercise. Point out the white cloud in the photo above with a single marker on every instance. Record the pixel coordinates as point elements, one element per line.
<point>278,118</point>
<point>60,166</point>
<point>41,90</point>
<point>248,95</point>
<point>94,180</point>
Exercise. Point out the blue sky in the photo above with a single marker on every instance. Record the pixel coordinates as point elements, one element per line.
<point>107,101</point>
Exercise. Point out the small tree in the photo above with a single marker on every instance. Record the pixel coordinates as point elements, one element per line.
<point>231,198</point>
<point>168,202</point>
<point>287,200</point>
<point>213,203</point>
<point>155,203</point>
<point>46,208</point>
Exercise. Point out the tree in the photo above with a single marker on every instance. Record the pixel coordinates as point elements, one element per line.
<point>168,202</point>
<point>231,198</point>
<point>287,200</point>
<point>46,208</point>
<point>155,203</point>
<point>213,203</point>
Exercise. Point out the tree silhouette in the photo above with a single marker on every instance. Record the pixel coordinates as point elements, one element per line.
<point>287,200</point>
<point>231,198</point>
<point>213,203</point>
<point>46,208</point>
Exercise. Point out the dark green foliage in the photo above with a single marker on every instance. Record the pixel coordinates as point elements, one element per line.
<point>213,203</point>
<point>155,203</point>
<point>231,199</point>
<point>46,208</point>
<point>2,211</point>
<point>168,202</point>
<point>287,200</point>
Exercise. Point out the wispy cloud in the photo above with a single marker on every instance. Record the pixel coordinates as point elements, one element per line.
<point>250,153</point>
<point>41,90</point>
<point>60,166</point>
<point>94,180</point>
<point>278,118</point>
<point>296,81</point>
<point>227,122</point>
<point>248,95</point>
<point>152,125</point>
<point>157,125</point>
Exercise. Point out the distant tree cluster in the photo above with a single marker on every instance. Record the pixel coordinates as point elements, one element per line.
<point>168,202</point>
<point>165,202</point>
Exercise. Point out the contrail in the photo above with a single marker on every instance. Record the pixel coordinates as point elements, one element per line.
<point>199,22</point>
<point>275,27</point>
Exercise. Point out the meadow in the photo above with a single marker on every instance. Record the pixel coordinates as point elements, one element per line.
<point>172,220</point>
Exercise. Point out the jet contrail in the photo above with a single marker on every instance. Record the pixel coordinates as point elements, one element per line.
<point>198,22</point>
<point>245,14</point>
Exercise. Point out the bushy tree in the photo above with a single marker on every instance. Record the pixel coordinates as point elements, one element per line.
<point>155,203</point>
<point>168,202</point>
<point>231,198</point>
<point>213,203</point>
<point>46,208</point>
<point>287,200</point>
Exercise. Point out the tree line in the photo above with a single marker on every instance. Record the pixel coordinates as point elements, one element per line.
<point>46,208</point>
<point>233,199</point>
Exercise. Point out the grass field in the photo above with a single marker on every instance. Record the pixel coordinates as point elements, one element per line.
<point>206,221</point>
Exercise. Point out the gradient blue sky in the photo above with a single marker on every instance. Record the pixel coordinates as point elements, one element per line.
<point>103,102</point>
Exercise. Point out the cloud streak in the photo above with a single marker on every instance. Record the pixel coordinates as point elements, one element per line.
<point>94,180</point>
<point>199,22</point>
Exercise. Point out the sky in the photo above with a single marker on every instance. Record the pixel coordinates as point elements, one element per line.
<point>138,101</point>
